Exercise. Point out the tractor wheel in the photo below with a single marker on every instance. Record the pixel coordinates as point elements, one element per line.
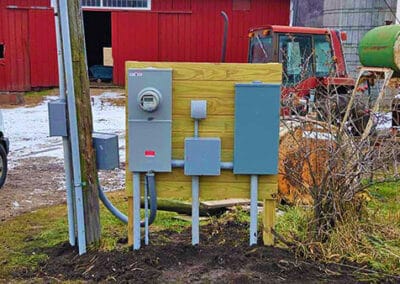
<point>3,165</point>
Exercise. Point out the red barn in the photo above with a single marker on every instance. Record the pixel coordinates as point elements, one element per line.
<point>151,30</point>
<point>27,45</point>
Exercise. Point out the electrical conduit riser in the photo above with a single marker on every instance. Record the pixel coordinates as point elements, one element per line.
<point>73,126</point>
<point>122,217</point>
<point>65,140</point>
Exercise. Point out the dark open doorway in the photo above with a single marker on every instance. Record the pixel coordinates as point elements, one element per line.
<point>97,35</point>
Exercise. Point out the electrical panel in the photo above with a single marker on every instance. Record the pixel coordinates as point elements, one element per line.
<point>202,156</point>
<point>57,118</point>
<point>256,138</point>
<point>149,119</point>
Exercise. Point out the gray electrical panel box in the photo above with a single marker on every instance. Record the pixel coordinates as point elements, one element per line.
<point>202,156</point>
<point>150,119</point>
<point>107,153</point>
<point>57,118</point>
<point>256,138</point>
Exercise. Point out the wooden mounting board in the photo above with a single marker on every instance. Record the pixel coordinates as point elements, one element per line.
<point>214,82</point>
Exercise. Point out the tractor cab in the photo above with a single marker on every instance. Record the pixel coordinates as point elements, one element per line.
<point>309,56</point>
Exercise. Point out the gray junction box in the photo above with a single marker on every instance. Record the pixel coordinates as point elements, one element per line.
<point>57,118</point>
<point>256,140</point>
<point>202,156</point>
<point>150,119</point>
<point>107,153</point>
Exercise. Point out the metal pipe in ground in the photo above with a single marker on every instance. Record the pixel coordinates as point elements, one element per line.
<point>73,126</point>
<point>136,211</point>
<point>65,140</point>
<point>195,199</point>
<point>253,209</point>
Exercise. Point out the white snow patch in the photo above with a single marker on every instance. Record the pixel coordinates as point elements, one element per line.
<point>383,120</point>
<point>28,130</point>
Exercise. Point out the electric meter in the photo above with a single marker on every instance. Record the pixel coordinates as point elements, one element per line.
<point>149,99</point>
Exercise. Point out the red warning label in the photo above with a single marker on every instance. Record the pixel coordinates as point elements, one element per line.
<point>149,153</point>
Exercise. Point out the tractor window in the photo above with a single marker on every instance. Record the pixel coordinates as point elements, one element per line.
<point>323,56</point>
<point>261,49</point>
<point>295,54</point>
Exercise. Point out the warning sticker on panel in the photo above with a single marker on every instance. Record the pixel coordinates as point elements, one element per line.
<point>149,153</point>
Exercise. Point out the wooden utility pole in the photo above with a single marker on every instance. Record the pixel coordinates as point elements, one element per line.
<point>85,123</point>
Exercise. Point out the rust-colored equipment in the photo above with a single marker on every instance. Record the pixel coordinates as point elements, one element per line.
<point>311,57</point>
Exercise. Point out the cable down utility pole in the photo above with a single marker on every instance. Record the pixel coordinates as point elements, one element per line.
<point>85,178</point>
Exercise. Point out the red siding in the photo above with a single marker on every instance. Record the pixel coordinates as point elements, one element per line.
<point>29,40</point>
<point>174,30</point>
<point>43,49</point>
<point>189,30</point>
<point>133,41</point>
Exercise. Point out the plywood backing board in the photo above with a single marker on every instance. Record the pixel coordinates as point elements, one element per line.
<point>214,82</point>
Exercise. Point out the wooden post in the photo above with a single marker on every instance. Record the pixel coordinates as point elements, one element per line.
<point>268,221</point>
<point>85,125</point>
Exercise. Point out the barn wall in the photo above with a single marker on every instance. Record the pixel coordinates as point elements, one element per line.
<point>27,32</point>
<point>189,30</point>
<point>174,30</point>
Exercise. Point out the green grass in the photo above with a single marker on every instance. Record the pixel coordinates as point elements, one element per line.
<point>385,199</point>
<point>25,239</point>
<point>41,93</point>
<point>374,240</point>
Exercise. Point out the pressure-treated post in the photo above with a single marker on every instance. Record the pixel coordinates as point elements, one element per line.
<point>89,178</point>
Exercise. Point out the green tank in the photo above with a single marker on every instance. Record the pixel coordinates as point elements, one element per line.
<point>380,47</point>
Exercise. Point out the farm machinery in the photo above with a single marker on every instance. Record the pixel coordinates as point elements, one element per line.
<point>317,87</point>
<point>314,69</point>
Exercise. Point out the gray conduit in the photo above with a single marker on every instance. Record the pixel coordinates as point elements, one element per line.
<point>181,164</point>
<point>122,217</point>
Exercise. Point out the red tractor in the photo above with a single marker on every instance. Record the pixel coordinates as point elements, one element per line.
<point>312,58</point>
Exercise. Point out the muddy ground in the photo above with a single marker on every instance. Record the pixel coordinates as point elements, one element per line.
<point>35,168</point>
<point>37,182</point>
<point>223,257</point>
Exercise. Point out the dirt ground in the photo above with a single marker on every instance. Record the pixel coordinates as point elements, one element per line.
<point>222,257</point>
<point>37,182</point>
<point>34,181</point>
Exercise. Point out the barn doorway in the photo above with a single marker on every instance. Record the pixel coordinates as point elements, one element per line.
<point>97,36</point>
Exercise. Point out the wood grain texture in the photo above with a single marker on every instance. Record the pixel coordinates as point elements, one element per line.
<point>235,72</point>
<point>268,221</point>
<point>89,176</point>
<point>214,82</point>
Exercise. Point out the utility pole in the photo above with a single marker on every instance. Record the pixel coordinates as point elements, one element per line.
<point>86,180</point>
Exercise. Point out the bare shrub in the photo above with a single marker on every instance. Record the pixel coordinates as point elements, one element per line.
<point>342,147</point>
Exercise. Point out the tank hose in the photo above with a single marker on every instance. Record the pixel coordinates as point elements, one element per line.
<point>151,185</point>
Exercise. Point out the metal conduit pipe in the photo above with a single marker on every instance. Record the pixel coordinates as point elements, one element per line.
<point>107,203</point>
<point>65,140</point>
<point>73,125</point>
<point>121,216</point>
<point>181,164</point>
<point>151,185</point>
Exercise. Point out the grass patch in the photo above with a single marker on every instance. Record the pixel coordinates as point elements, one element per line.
<point>35,97</point>
<point>373,240</point>
<point>25,239</point>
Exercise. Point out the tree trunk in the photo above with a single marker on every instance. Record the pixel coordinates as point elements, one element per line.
<point>85,124</point>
